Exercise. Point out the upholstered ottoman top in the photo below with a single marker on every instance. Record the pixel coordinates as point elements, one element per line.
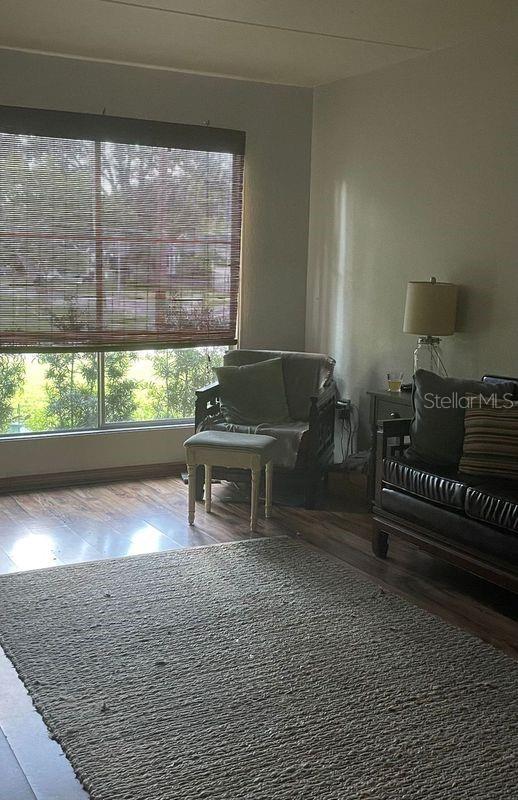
<point>248,442</point>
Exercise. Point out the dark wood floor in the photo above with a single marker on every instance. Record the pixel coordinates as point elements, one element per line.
<point>46,528</point>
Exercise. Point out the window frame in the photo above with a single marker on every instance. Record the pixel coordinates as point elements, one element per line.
<point>102,425</point>
<point>99,128</point>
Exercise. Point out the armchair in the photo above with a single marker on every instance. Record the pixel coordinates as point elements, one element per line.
<point>306,444</point>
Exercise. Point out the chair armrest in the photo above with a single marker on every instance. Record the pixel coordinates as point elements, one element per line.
<point>321,429</point>
<point>325,396</point>
<point>208,391</point>
<point>207,403</point>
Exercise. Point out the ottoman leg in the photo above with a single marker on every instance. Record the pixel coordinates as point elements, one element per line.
<point>191,472</point>
<point>199,483</point>
<point>269,490</point>
<point>208,488</point>
<point>256,475</point>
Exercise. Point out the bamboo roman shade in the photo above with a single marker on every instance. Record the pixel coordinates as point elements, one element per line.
<point>117,233</point>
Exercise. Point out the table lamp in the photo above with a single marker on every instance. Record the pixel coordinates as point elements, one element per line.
<point>430,312</point>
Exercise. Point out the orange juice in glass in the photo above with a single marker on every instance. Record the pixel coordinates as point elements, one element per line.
<point>394,381</point>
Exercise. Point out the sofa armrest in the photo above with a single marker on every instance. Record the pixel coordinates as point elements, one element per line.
<point>391,440</point>
<point>394,427</point>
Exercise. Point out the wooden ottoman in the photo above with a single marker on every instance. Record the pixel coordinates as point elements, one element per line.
<point>238,450</point>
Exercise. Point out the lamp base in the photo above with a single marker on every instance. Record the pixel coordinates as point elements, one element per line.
<point>428,355</point>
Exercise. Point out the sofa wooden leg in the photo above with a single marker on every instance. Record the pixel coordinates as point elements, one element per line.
<point>380,543</point>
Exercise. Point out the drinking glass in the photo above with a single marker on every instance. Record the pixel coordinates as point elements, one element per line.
<point>394,381</point>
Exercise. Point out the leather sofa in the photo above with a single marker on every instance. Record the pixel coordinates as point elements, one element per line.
<point>470,521</point>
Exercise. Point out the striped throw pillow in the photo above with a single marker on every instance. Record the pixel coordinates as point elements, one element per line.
<point>491,440</point>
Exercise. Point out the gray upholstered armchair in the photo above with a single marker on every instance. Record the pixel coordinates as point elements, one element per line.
<point>306,442</point>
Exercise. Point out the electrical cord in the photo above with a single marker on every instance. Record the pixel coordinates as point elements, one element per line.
<point>354,421</point>
<point>352,428</point>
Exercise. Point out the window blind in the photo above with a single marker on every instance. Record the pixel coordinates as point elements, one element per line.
<point>117,233</point>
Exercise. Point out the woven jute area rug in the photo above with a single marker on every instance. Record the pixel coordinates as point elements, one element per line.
<point>263,670</point>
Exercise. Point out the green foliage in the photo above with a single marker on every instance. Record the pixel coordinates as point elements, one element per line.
<point>71,390</point>
<point>120,401</point>
<point>58,391</point>
<point>12,375</point>
<point>178,373</point>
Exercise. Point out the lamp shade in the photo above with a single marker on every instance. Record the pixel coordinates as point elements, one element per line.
<point>431,308</point>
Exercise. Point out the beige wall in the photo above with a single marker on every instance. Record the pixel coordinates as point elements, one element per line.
<point>277,121</point>
<point>414,173</point>
<point>62,452</point>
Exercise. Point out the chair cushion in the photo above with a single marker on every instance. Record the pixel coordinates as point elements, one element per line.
<point>437,430</point>
<point>305,374</point>
<point>251,443</point>
<point>443,486</point>
<point>495,503</point>
<point>253,393</point>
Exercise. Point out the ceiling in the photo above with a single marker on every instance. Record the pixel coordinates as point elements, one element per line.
<point>296,42</point>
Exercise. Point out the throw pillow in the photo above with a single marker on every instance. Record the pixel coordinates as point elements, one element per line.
<point>491,440</point>
<point>253,393</point>
<point>437,430</point>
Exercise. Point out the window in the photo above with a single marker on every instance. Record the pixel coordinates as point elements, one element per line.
<point>46,392</point>
<point>119,266</point>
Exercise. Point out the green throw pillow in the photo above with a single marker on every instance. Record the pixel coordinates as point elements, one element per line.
<point>253,393</point>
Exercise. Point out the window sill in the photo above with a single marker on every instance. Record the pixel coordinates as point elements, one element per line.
<point>16,437</point>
